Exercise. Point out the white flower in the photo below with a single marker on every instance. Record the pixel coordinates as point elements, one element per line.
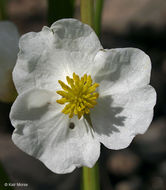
<point>74,95</point>
<point>9,39</point>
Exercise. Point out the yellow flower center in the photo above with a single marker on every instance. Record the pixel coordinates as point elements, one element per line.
<point>79,96</point>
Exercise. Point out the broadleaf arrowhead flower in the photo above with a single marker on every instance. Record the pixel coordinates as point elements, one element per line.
<point>74,95</point>
<point>9,39</point>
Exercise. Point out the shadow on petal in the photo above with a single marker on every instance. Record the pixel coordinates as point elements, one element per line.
<point>32,114</point>
<point>106,118</point>
<point>110,71</point>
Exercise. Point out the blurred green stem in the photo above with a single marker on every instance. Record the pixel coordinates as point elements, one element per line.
<point>4,179</point>
<point>58,9</point>
<point>87,12</point>
<point>98,16</point>
<point>3,12</point>
<point>91,178</point>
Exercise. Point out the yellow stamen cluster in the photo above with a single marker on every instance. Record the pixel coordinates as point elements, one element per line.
<point>79,96</point>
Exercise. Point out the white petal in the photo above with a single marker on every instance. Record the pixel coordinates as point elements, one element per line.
<point>118,118</point>
<point>48,56</point>
<point>79,40</point>
<point>8,53</point>
<point>120,70</point>
<point>42,131</point>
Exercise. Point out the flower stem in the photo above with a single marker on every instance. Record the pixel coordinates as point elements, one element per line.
<point>87,12</point>
<point>3,14</point>
<point>91,178</point>
<point>98,14</point>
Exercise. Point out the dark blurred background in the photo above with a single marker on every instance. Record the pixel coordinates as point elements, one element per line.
<point>142,166</point>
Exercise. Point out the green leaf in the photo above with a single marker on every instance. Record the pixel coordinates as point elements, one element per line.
<point>3,12</point>
<point>98,16</point>
<point>58,9</point>
<point>4,180</point>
